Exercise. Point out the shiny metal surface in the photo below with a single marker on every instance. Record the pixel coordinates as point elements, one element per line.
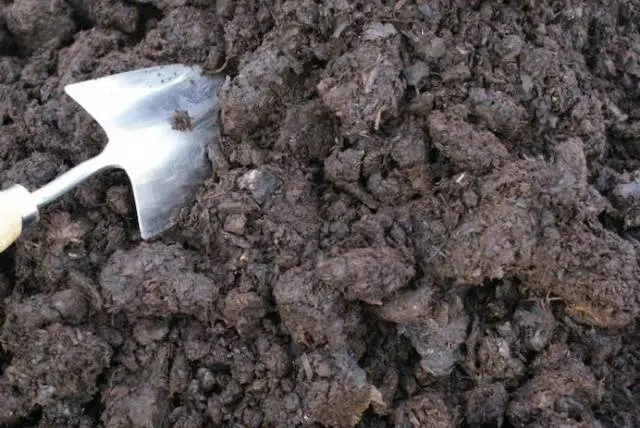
<point>139,111</point>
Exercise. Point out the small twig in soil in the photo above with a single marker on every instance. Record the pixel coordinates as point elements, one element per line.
<point>222,67</point>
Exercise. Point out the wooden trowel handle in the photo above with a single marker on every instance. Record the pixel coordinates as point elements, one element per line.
<point>10,223</point>
<point>16,209</point>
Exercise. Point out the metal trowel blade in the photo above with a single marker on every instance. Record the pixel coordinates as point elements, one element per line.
<point>159,122</point>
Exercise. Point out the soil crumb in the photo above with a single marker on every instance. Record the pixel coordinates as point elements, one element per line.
<point>181,121</point>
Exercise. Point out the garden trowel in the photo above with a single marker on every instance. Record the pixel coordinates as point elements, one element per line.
<point>158,122</point>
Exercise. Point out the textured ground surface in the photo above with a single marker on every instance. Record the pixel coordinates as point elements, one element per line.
<point>424,213</point>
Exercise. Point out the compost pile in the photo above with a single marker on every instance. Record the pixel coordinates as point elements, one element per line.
<point>423,213</point>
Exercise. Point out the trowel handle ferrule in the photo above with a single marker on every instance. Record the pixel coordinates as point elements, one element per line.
<point>17,210</point>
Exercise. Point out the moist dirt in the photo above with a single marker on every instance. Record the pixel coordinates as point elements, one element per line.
<point>424,213</point>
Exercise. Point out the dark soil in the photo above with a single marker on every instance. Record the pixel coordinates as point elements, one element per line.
<point>423,213</point>
<point>181,121</point>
